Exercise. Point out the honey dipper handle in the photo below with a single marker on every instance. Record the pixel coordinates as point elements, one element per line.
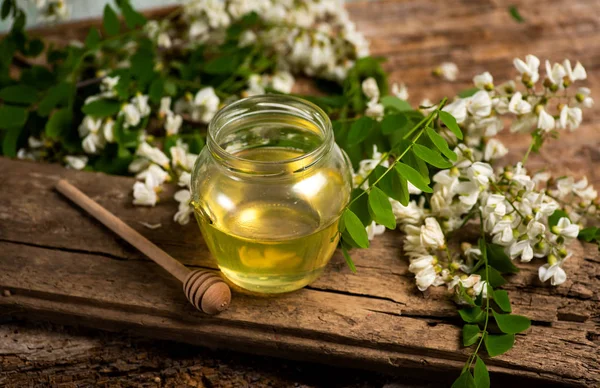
<point>126,232</point>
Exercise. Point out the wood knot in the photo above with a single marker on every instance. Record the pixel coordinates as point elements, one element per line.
<point>207,291</point>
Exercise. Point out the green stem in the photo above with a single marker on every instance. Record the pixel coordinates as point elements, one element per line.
<point>420,125</point>
<point>524,160</point>
<point>487,300</point>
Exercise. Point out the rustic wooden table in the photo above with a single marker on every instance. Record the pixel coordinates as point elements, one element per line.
<point>59,265</point>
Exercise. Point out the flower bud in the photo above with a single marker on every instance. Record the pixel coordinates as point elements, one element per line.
<point>464,246</point>
<point>552,259</point>
<point>526,79</point>
<point>566,81</point>
<point>454,171</point>
<point>541,245</point>
<point>562,252</point>
<point>189,96</point>
<point>579,97</point>
<point>538,109</point>
<point>560,106</point>
<point>489,87</point>
<point>454,265</point>
<point>438,268</point>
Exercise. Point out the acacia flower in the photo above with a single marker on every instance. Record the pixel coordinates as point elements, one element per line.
<point>206,104</point>
<point>173,123</point>
<point>528,68</point>
<point>545,121</point>
<point>144,195</point>
<point>374,229</point>
<point>185,210</point>
<point>154,174</point>
<point>76,162</point>
<point>484,81</point>
<point>131,114</point>
<point>400,91</point>
<point>480,104</point>
<point>570,118</point>
<point>574,74</point>
<point>555,74</point>
<point>370,88</point>
<point>432,236</point>
<point>517,105</point>
<point>153,154</point>
<point>553,271</point>
<point>447,70</point>
<point>165,107</point>
<point>565,228</point>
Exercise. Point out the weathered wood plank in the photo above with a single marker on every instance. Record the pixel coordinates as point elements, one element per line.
<point>69,267</point>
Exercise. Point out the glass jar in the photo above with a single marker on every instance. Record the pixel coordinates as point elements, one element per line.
<point>268,190</point>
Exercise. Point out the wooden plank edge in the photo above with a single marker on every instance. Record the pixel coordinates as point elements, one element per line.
<point>275,344</point>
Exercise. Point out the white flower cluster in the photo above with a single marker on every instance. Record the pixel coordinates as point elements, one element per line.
<point>53,10</point>
<point>281,81</point>
<point>316,37</point>
<point>154,168</point>
<point>201,107</point>
<point>515,210</point>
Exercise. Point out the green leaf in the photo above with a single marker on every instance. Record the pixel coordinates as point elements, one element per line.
<point>470,334</point>
<point>142,65</point>
<point>110,21</point>
<point>395,103</point>
<point>511,323</point>
<point>502,300</point>
<point>156,90</point>
<point>92,39</point>
<point>555,217</point>
<point>514,13</point>
<point>9,143</point>
<point>441,144</point>
<point>465,380</point>
<point>589,234</point>
<point>360,130</point>
<point>468,92</point>
<point>55,96</point>
<point>432,157</point>
<point>381,208</point>
<point>132,18</point>
<point>6,7</point>
<point>481,374</point>
<point>393,123</point>
<point>413,176</point>
<point>497,344</point>
<point>392,184</point>
<point>59,123</point>
<point>12,116</point>
<point>355,228</point>
<point>495,280</point>
<point>450,122</point>
<point>420,166</point>
<point>19,94</point>
<point>348,259</point>
<point>222,65</point>
<point>360,206</point>
<point>472,314</point>
<point>499,260</point>
<point>34,47</point>
<point>102,108</point>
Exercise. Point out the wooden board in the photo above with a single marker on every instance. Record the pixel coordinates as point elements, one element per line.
<point>59,264</point>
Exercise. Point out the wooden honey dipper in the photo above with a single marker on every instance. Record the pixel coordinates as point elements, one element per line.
<point>205,290</point>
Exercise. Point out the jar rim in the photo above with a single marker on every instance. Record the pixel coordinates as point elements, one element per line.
<point>275,103</point>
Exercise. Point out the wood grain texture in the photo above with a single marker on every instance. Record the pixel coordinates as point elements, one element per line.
<point>61,265</point>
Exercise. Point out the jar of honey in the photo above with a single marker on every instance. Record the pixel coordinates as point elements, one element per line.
<point>268,191</point>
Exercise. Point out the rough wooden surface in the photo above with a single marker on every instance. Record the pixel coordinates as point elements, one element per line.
<point>61,265</point>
